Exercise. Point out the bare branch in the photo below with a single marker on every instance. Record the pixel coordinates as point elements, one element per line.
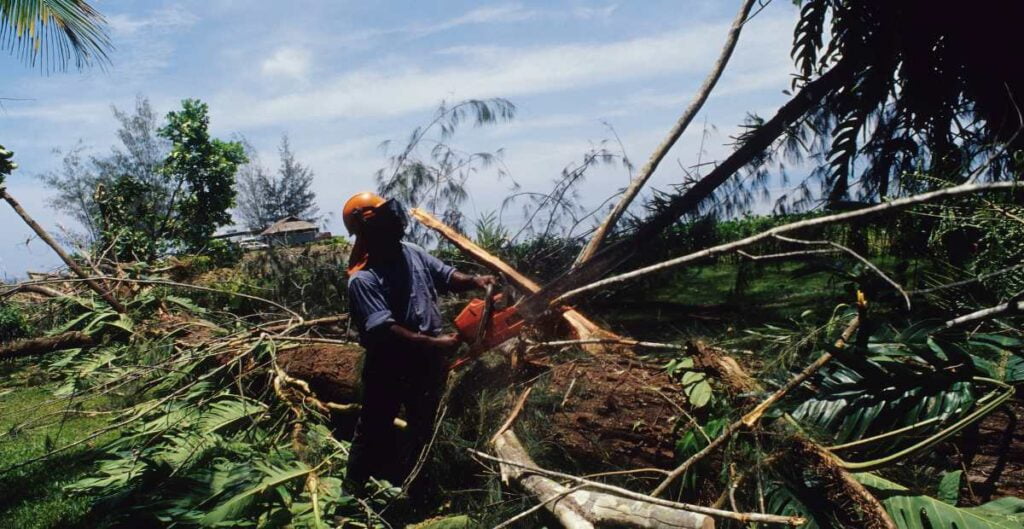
<point>684,121</point>
<point>856,256</point>
<point>785,228</point>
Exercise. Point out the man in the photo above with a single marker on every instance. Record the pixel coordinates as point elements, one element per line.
<point>393,289</point>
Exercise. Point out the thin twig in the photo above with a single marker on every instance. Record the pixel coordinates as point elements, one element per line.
<point>512,415</point>
<point>755,414</point>
<point>856,256</point>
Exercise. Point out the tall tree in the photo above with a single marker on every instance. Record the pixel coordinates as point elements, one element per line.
<point>436,179</point>
<point>183,202</point>
<point>264,198</point>
<point>140,154</point>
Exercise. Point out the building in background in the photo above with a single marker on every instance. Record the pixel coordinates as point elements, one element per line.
<point>290,230</point>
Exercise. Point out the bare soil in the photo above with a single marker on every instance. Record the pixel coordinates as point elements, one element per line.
<point>614,411</point>
<point>997,466</point>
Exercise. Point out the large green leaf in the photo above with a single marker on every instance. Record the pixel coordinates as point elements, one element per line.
<point>235,504</point>
<point>914,511</point>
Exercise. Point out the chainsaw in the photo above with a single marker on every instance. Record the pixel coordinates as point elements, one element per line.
<point>483,327</point>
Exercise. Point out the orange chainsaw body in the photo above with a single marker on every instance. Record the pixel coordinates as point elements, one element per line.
<point>505,324</point>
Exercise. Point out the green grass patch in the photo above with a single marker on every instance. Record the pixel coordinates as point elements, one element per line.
<point>32,497</point>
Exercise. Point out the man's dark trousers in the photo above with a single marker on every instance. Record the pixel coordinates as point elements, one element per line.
<point>395,376</point>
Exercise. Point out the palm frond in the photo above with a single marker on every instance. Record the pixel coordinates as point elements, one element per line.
<point>54,33</point>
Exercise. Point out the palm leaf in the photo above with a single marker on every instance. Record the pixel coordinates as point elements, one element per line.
<point>54,32</point>
<point>915,511</point>
<point>234,506</point>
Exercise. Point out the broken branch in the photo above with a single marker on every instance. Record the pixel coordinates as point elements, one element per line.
<point>673,136</point>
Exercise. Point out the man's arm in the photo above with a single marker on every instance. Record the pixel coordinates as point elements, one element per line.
<point>397,333</point>
<point>460,282</point>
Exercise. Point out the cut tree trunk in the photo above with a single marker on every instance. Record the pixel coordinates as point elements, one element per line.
<point>583,328</point>
<point>587,509</point>
<point>46,344</point>
<point>96,287</point>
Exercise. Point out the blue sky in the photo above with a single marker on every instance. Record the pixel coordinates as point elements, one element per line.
<point>340,77</point>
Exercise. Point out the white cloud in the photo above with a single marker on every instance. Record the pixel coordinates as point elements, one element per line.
<point>594,13</point>
<point>287,62</point>
<point>495,72</point>
<point>174,17</point>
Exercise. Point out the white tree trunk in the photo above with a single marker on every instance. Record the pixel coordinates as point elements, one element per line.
<point>586,509</point>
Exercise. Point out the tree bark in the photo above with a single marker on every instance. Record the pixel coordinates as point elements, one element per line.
<point>585,509</point>
<point>96,287</point>
<point>45,344</point>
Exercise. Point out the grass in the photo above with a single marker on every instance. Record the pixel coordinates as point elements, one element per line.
<point>32,497</point>
<point>703,301</point>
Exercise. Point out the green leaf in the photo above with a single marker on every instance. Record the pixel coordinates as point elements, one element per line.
<point>699,394</point>
<point>123,322</point>
<point>692,377</point>
<point>949,487</point>
<point>185,303</point>
<point>234,506</point>
<point>915,511</point>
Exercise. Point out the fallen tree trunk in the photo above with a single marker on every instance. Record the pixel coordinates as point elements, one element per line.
<point>582,327</point>
<point>587,509</point>
<point>35,289</point>
<point>91,283</point>
<point>46,344</point>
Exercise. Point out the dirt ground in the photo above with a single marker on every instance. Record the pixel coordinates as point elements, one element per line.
<point>997,468</point>
<point>613,412</point>
<point>618,412</point>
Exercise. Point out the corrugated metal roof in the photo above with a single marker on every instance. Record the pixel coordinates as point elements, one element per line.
<point>289,224</point>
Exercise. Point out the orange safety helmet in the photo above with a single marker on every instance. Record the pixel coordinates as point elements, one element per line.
<point>358,209</point>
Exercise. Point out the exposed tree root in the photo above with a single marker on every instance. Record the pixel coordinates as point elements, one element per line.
<point>822,485</point>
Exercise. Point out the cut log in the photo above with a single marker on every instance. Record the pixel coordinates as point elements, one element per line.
<point>582,327</point>
<point>586,509</point>
<point>46,344</point>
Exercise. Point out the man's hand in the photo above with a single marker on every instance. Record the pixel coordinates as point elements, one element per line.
<point>446,343</point>
<point>482,282</point>
<point>462,282</point>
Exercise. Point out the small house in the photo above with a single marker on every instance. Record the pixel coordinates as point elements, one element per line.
<point>290,230</point>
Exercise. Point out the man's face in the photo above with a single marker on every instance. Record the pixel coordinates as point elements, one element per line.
<point>385,227</point>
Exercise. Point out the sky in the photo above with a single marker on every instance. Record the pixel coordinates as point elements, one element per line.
<point>341,77</point>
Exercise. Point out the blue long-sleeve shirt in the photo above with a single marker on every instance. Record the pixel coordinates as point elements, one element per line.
<point>403,291</point>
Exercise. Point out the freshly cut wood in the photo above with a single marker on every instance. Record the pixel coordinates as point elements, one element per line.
<point>583,508</point>
<point>46,344</point>
<point>582,327</point>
